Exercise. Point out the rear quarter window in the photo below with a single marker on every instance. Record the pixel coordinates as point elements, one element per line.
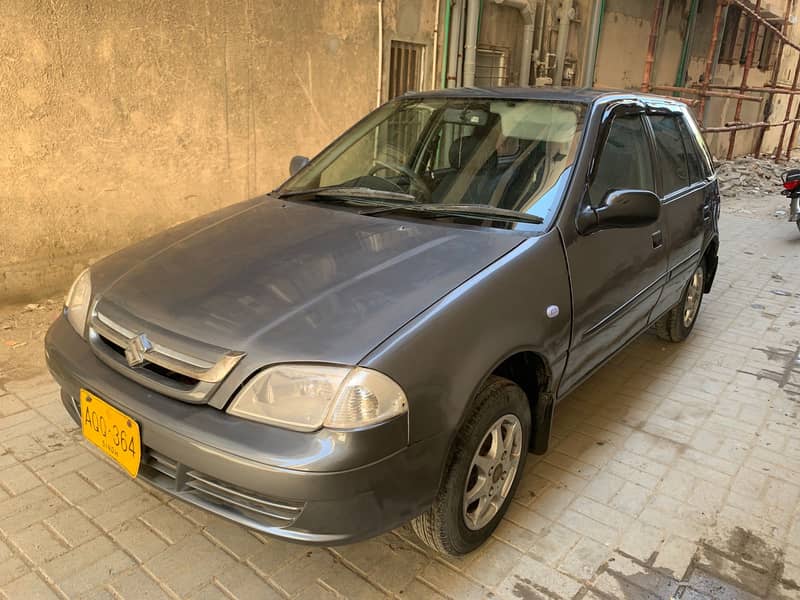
<point>672,160</point>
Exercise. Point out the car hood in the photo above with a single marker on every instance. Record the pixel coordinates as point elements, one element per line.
<point>291,280</point>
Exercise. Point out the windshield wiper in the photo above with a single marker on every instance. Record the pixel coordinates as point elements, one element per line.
<point>350,192</point>
<point>476,211</point>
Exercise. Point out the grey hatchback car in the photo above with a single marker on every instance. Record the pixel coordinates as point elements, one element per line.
<point>385,336</point>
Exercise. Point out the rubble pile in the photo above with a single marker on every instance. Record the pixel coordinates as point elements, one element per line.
<point>749,175</point>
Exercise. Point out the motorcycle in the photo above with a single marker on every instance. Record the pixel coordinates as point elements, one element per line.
<point>791,189</point>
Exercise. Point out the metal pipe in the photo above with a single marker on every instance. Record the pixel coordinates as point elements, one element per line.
<point>589,59</point>
<point>539,16</point>
<point>778,90</point>
<point>680,76</point>
<point>789,104</point>
<point>793,135</point>
<point>435,43</point>
<point>655,21</point>
<point>773,81</point>
<point>710,58</point>
<point>660,39</point>
<point>730,127</point>
<point>380,54</point>
<point>460,47</point>
<point>698,92</point>
<point>528,12</point>
<point>452,50</point>
<point>561,44</point>
<point>548,38</point>
<point>748,61</point>
<point>471,42</point>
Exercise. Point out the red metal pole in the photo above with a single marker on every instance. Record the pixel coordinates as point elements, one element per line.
<point>751,44</point>
<point>789,104</point>
<point>655,23</point>
<point>793,136</point>
<point>773,79</point>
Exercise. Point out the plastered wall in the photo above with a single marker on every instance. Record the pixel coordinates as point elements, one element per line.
<point>119,119</point>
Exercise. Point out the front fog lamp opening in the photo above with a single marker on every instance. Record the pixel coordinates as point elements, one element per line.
<point>76,304</point>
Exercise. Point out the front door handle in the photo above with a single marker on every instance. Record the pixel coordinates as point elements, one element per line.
<point>658,239</point>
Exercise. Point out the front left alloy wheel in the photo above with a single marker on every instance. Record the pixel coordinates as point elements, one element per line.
<point>484,470</point>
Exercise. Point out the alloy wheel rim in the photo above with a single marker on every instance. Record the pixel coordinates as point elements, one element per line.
<point>693,294</point>
<point>492,472</point>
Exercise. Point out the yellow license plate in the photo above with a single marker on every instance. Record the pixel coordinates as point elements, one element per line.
<point>114,432</point>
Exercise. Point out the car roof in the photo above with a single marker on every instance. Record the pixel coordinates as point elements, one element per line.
<point>562,94</point>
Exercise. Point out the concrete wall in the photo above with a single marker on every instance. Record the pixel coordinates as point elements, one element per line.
<point>122,118</point>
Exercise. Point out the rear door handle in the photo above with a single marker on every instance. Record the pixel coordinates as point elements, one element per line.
<point>658,239</point>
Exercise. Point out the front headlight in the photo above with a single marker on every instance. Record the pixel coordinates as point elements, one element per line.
<point>77,301</point>
<point>307,397</point>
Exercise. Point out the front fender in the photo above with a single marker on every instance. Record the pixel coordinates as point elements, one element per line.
<point>441,357</point>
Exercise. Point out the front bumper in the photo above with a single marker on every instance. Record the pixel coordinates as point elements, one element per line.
<point>324,487</point>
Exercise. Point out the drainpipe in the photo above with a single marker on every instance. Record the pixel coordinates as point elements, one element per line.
<point>460,46</point>
<point>589,59</point>
<point>655,27</point>
<point>379,95</point>
<point>527,10</point>
<point>435,43</point>
<point>452,50</point>
<point>445,42</point>
<point>680,76</point>
<point>561,46</point>
<point>539,15</point>
<point>471,42</point>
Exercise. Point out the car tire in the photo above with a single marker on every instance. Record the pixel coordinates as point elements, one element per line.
<point>500,420</point>
<point>677,324</point>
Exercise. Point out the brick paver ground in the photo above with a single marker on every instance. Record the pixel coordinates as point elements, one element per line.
<point>675,471</point>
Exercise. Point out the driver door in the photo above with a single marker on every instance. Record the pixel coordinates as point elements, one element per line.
<point>617,274</point>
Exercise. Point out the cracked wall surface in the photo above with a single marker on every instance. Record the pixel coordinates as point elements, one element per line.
<point>122,118</point>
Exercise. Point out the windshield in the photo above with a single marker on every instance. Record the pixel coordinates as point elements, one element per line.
<point>509,154</point>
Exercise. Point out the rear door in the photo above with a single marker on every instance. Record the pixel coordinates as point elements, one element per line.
<point>684,190</point>
<point>616,274</point>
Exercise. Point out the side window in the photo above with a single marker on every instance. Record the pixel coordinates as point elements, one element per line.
<point>696,170</point>
<point>625,162</point>
<point>671,153</point>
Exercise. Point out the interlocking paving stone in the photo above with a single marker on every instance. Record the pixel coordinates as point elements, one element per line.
<point>675,470</point>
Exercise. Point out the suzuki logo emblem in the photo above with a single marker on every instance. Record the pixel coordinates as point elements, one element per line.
<point>136,349</point>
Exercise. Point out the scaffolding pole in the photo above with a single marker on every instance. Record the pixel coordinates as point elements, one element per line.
<point>742,93</point>
<point>773,82</point>
<point>655,24</point>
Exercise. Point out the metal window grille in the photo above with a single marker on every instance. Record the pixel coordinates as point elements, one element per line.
<point>405,68</point>
<point>491,68</point>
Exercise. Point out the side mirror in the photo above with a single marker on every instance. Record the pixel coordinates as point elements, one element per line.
<point>297,163</point>
<point>620,209</point>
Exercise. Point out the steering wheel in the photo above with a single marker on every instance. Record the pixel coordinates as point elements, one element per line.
<point>414,177</point>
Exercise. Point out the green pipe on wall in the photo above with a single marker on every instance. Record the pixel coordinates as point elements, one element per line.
<point>446,41</point>
<point>680,76</point>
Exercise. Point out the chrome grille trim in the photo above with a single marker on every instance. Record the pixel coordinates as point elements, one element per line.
<point>160,367</point>
<point>167,358</point>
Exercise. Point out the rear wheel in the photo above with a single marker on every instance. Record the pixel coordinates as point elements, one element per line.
<point>484,470</point>
<point>677,324</point>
